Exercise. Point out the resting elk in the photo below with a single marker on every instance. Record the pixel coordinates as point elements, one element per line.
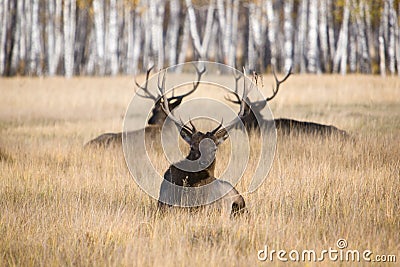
<point>191,182</point>
<point>157,118</point>
<point>285,126</point>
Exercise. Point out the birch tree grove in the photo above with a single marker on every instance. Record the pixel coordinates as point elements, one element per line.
<point>113,37</point>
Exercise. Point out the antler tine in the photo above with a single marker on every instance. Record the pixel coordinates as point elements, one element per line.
<point>237,76</point>
<point>218,127</point>
<point>237,101</point>
<point>193,127</point>
<point>165,107</point>
<point>244,96</point>
<point>278,83</point>
<point>242,105</point>
<point>195,84</point>
<point>147,93</point>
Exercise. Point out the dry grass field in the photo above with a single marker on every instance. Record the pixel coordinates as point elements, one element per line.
<point>63,205</point>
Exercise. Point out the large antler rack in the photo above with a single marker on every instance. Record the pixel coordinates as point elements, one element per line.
<point>278,83</point>
<point>180,124</point>
<point>147,94</point>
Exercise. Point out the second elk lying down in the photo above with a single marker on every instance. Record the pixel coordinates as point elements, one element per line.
<point>155,122</point>
<point>283,125</point>
<point>191,182</point>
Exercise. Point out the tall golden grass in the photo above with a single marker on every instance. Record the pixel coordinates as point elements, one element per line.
<point>63,205</point>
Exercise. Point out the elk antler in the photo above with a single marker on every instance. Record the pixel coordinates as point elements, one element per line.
<point>195,84</point>
<point>278,82</point>
<point>146,91</point>
<point>242,102</point>
<point>179,123</point>
<point>236,93</point>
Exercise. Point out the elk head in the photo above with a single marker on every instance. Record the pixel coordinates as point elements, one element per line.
<point>203,146</point>
<point>158,115</point>
<point>251,108</point>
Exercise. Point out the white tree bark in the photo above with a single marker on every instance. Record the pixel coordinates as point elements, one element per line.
<point>382,61</point>
<point>288,32</point>
<point>5,21</point>
<point>36,45</point>
<point>272,30</point>
<point>364,57</point>
<point>234,34</point>
<point>323,34</point>
<point>301,36</point>
<point>227,17</point>
<point>341,49</point>
<point>352,49</point>
<point>91,61</point>
<point>98,9</point>
<point>51,37</point>
<point>17,35</point>
<point>137,41</point>
<point>251,53</point>
<point>313,53</point>
<point>54,35</point>
<point>391,37</point>
<point>160,31</point>
<point>173,31</point>
<point>200,46</point>
<point>129,39</point>
<point>69,36</point>
<point>184,43</point>
<point>112,41</point>
<point>331,31</point>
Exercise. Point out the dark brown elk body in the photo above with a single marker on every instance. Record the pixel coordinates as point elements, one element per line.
<point>191,182</point>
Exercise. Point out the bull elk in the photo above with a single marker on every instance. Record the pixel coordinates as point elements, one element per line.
<point>158,115</point>
<point>191,182</point>
<point>286,126</point>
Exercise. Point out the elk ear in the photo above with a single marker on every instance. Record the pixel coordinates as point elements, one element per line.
<point>186,135</point>
<point>221,136</point>
<point>174,104</point>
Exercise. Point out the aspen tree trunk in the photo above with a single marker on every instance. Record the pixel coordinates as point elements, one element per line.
<point>364,57</point>
<point>288,32</point>
<point>184,43</point>
<point>323,35</point>
<point>234,34</point>
<point>69,36</point>
<point>112,40</point>
<point>157,10</point>
<point>301,36</point>
<point>137,42</point>
<point>59,37</point>
<point>313,65</point>
<point>98,9</point>
<point>173,31</point>
<point>200,46</point>
<point>129,29</point>
<point>340,59</point>
<point>16,39</point>
<point>36,44</point>
<point>382,61</point>
<point>3,34</point>
<point>331,32</point>
<point>391,43</point>
<point>51,38</point>
<point>81,40</point>
<point>352,49</point>
<point>272,32</point>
